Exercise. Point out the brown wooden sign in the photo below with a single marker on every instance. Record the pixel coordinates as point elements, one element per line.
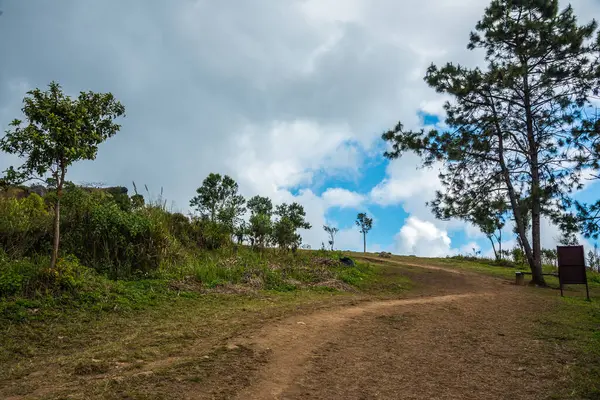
<point>571,267</point>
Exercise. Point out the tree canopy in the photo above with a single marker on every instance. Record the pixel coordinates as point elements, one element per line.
<point>516,129</point>
<point>218,200</point>
<point>291,217</point>
<point>58,132</point>
<point>365,224</point>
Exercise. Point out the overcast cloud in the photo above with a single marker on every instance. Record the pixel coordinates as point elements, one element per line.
<point>276,93</point>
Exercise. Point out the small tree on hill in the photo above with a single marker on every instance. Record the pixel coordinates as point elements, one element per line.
<point>59,131</point>
<point>291,218</point>
<point>487,213</point>
<point>593,259</point>
<point>260,225</point>
<point>365,224</point>
<point>218,201</point>
<point>331,231</point>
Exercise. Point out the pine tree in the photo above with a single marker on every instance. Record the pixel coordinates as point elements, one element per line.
<point>515,126</point>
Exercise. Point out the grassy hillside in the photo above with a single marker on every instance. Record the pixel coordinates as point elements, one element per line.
<point>96,328</point>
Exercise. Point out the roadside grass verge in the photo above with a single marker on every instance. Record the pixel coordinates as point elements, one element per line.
<point>570,325</point>
<point>572,329</point>
<point>488,267</point>
<point>30,291</point>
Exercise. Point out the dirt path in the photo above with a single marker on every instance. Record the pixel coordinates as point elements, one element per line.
<point>474,344</point>
<point>455,335</point>
<point>293,342</point>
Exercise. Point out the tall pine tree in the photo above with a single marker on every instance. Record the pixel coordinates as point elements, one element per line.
<point>513,126</point>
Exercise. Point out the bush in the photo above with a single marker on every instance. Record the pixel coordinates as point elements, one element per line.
<point>212,235</point>
<point>110,239</point>
<point>29,277</point>
<point>25,225</point>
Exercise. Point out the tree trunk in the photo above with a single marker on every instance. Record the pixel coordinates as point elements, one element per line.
<point>56,241</point>
<point>365,242</point>
<point>494,247</point>
<point>512,193</point>
<point>500,243</point>
<point>535,260</point>
<point>536,265</point>
<point>514,203</point>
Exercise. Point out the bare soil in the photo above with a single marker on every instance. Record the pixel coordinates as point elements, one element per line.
<point>457,335</point>
<point>473,344</point>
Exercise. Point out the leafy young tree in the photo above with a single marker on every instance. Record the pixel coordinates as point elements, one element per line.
<point>331,231</point>
<point>488,214</point>
<point>515,127</point>
<point>260,205</point>
<point>261,225</point>
<point>491,220</point>
<point>291,218</point>
<point>58,132</point>
<point>218,201</point>
<point>365,224</point>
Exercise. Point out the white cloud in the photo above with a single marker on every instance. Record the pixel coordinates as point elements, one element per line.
<point>272,93</point>
<point>336,197</point>
<point>469,248</point>
<point>406,182</point>
<point>422,238</point>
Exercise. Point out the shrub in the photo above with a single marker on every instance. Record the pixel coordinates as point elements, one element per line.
<point>25,225</point>
<point>111,239</point>
<point>29,277</point>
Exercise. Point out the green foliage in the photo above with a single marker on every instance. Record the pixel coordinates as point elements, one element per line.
<point>218,200</point>
<point>32,276</point>
<point>517,129</point>
<point>593,259</point>
<point>24,225</point>
<point>260,205</point>
<point>291,218</point>
<point>59,132</point>
<point>284,234</point>
<point>260,225</point>
<point>518,256</point>
<point>365,224</point>
<point>550,257</point>
<point>110,239</point>
<point>355,276</point>
<point>212,235</point>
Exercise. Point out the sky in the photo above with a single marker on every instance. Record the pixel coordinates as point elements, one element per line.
<point>288,97</point>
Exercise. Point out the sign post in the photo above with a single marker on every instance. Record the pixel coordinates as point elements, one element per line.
<point>571,267</point>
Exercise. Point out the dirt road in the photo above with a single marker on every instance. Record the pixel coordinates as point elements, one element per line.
<point>470,343</point>
<point>455,335</point>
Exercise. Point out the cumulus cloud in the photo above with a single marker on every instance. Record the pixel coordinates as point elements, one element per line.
<point>422,238</point>
<point>336,197</point>
<point>275,94</point>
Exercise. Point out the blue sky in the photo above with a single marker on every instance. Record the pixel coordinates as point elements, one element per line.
<point>287,97</point>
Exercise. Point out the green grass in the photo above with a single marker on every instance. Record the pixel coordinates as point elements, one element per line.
<point>138,321</point>
<point>573,330</point>
<point>488,267</point>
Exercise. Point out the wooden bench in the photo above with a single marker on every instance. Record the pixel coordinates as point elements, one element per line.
<point>520,276</point>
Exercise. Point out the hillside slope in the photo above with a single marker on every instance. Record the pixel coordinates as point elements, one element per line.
<point>455,334</point>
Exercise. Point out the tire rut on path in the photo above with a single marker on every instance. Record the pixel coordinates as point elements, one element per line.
<point>468,336</point>
<point>293,341</point>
